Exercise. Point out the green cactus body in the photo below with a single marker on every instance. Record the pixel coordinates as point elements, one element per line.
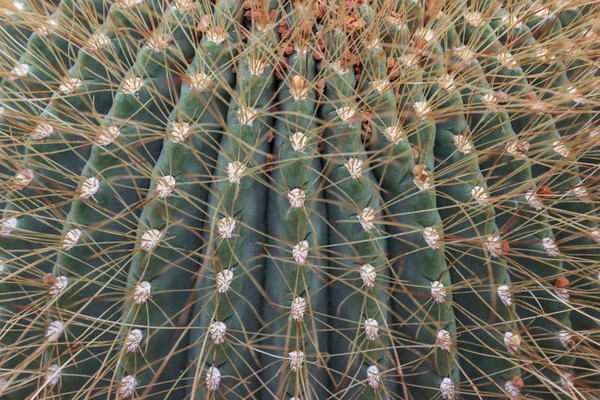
<point>480,267</point>
<point>228,298</point>
<point>299,200</point>
<point>526,226</point>
<point>107,191</point>
<point>360,309</point>
<point>171,221</point>
<point>415,245</point>
<point>298,233</point>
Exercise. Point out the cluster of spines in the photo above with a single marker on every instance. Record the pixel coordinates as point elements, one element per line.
<point>469,123</point>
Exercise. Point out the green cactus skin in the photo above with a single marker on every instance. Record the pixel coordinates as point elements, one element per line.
<point>98,198</point>
<point>436,134</point>
<point>229,288</point>
<point>297,234</point>
<point>172,210</point>
<point>357,246</point>
<point>528,228</point>
<point>481,267</point>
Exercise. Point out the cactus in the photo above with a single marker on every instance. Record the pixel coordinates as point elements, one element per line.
<point>299,200</point>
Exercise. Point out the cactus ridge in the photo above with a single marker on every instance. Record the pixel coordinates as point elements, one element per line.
<point>299,199</point>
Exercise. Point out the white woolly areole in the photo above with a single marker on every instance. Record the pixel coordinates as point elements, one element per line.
<point>490,101</point>
<point>463,144</point>
<point>541,54</point>
<point>373,378</point>
<point>183,5</point>
<point>438,292</point>
<point>296,197</point>
<point>141,292</point>
<point>493,244</point>
<point>213,379</point>
<point>424,33</point>
<point>566,339</point>
<point>60,285</point>
<point>533,200</point>
<point>97,41</point>
<point>432,237</point>
<point>133,340</point>
<point>42,131</point>
<point>159,41</point>
<point>422,109</point>
<point>127,386</point>
<point>368,275</point>
<point>235,171</point>
<point>150,239</point>
<point>257,66</point>
<point>550,246</point>
<point>225,227</point>
<point>298,141</point>
<point>465,53</point>
<point>165,186</point>
<point>200,81</point>
<point>507,60</point>
<point>7,226</point>
<point>54,331</point>
<point>409,61</point>
<point>89,188</point>
<point>474,19</point>
<point>71,238</point>
<point>371,329</point>
<point>422,184</point>
<point>504,294</point>
<point>479,194</point>
<point>20,71</point>
<point>447,389</point>
<point>215,37</point>
<point>296,358</point>
<point>380,85</point>
<point>298,309</point>
<point>446,81</point>
<point>52,375</point>
<point>566,380</point>
<point>512,342</point>
<point>129,3</point>
<point>560,149</point>
<point>562,294</point>
<point>367,218</point>
<point>512,390</point>
<point>107,135</point>
<point>517,149</point>
<point>22,178</point>
<point>217,332</point>
<point>132,85</point>
<point>299,88</point>
<point>69,85</point>
<point>246,115</point>
<point>346,114</point>
<point>595,234</point>
<point>47,27</point>
<point>354,167</point>
<point>179,132</point>
<point>394,134</point>
<point>443,340</point>
<point>224,279</point>
<point>582,193</point>
<point>300,252</point>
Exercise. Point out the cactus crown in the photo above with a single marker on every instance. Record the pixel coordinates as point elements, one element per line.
<point>302,199</point>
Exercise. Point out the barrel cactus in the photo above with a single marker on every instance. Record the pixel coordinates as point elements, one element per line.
<point>304,199</point>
